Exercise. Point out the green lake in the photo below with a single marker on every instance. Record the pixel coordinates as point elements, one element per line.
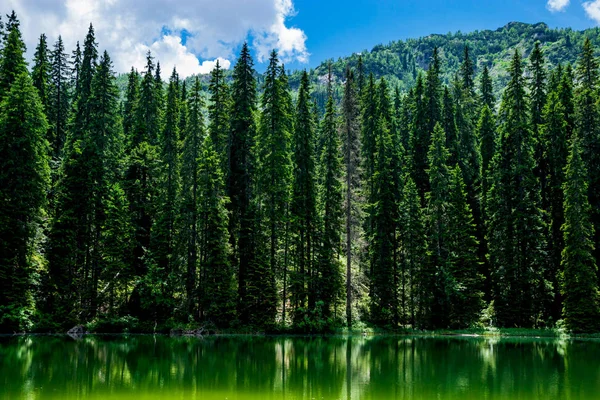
<point>240,368</point>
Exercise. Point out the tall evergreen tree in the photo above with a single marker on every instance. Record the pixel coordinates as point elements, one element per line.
<point>579,285</point>
<point>553,136</point>
<point>304,204</point>
<point>587,129</point>
<point>12,60</point>
<point>437,282</point>
<point>464,266</point>
<point>515,224</point>
<point>24,177</point>
<point>165,260</point>
<point>219,113</point>
<point>383,293</point>
<point>331,280</point>
<point>274,176</point>
<point>217,283</point>
<point>486,89</point>
<point>130,104</point>
<point>189,216</point>
<point>352,162</point>
<point>41,71</point>
<point>58,112</point>
<point>241,170</point>
<point>413,255</point>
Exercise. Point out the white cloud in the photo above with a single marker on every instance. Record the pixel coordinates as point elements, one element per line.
<point>592,9</point>
<point>129,28</point>
<point>557,5</point>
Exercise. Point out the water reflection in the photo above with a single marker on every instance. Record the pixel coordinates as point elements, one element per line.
<point>147,367</point>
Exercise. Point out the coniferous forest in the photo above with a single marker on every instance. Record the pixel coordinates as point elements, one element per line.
<point>245,201</point>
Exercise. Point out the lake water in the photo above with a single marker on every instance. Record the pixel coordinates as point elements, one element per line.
<point>252,368</point>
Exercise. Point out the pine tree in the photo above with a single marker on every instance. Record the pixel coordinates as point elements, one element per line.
<point>60,106</point>
<point>75,68</point>
<point>103,152</point>
<point>217,283</point>
<point>41,72</point>
<point>383,293</point>
<point>486,89</point>
<point>413,255</point>
<point>486,131</point>
<point>12,61</point>
<point>141,178</point>
<point>24,179</point>
<point>565,93</point>
<point>466,297</point>
<point>369,127</point>
<point>72,255</point>
<point>579,286</point>
<point>352,162</point>
<point>433,93</point>
<point>331,280</point>
<point>587,129</point>
<point>515,225</point>
<point>219,111</point>
<point>132,96</point>
<point>420,138</point>
<point>274,176</point>
<point>163,234</point>
<point>242,167</point>
<point>467,72</point>
<point>449,125</point>
<point>304,205</point>
<point>436,279</point>
<point>553,136</point>
<point>190,194</point>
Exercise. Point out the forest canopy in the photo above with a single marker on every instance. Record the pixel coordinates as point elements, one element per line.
<point>446,182</point>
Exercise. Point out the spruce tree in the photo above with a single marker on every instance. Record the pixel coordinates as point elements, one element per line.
<point>466,296</point>
<point>103,153</point>
<point>219,114</point>
<point>59,108</point>
<point>486,89</point>
<point>242,167</point>
<point>24,179</point>
<point>449,125</point>
<point>141,178</point>
<point>515,228</point>
<point>303,205</point>
<point>352,162</point>
<point>130,104</point>
<point>41,72</point>
<point>413,254</point>
<point>436,279</point>
<point>12,61</point>
<point>383,293</point>
<point>587,130</point>
<point>189,217</point>
<point>274,176</point>
<point>331,196</point>
<point>579,286</point>
<point>433,93</point>
<point>420,139</point>
<point>163,236</point>
<point>217,280</point>
<point>553,135</point>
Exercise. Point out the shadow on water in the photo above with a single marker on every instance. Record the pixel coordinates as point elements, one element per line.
<point>240,367</point>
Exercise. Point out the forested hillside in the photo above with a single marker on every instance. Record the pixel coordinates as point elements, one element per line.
<point>469,195</point>
<point>400,62</point>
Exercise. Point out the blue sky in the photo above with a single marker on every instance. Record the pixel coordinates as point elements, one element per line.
<point>336,28</point>
<point>192,35</point>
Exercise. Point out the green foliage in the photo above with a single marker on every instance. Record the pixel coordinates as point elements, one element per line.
<point>24,179</point>
<point>579,285</point>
